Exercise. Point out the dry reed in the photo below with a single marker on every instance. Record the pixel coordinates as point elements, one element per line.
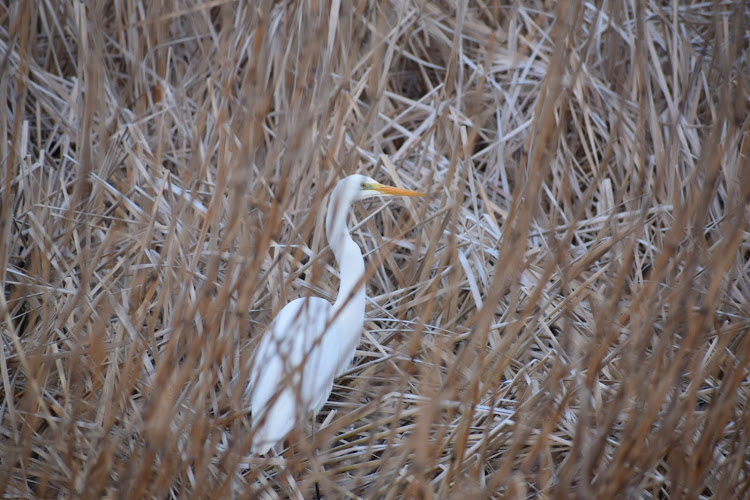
<point>566,315</point>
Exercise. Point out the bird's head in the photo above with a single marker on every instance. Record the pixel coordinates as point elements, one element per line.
<point>347,191</point>
<point>364,187</point>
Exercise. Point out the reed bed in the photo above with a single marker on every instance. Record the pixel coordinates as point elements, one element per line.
<point>565,315</point>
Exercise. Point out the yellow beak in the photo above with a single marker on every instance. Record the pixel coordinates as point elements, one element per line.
<point>394,191</point>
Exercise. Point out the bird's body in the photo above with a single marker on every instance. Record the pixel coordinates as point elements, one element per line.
<point>311,342</point>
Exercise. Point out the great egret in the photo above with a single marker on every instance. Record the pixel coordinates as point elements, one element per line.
<point>311,342</point>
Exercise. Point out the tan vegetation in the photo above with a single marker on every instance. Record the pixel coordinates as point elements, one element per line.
<point>566,314</point>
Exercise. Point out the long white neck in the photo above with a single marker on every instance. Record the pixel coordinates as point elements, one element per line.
<point>348,255</point>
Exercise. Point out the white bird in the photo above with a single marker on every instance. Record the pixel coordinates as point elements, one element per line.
<point>311,342</point>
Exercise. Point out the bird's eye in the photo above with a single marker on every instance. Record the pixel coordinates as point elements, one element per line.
<point>364,185</point>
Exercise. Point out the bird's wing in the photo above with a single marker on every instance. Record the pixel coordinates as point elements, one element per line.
<point>281,390</point>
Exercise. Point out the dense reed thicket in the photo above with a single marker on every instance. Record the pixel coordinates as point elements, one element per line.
<point>565,315</point>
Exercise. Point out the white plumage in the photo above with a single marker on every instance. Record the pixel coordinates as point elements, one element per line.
<point>311,342</point>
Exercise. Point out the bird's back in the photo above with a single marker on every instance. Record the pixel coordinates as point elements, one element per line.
<point>290,375</point>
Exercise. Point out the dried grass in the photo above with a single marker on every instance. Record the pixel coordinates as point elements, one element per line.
<point>566,315</point>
